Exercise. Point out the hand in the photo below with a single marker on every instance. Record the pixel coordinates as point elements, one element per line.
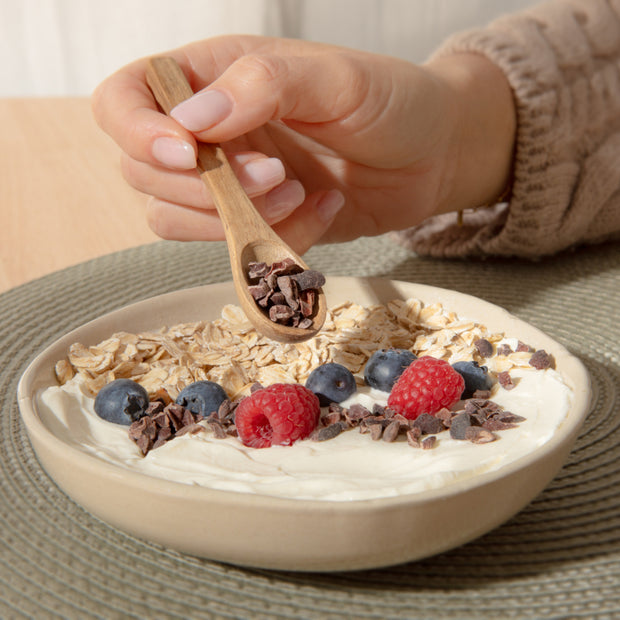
<point>330,143</point>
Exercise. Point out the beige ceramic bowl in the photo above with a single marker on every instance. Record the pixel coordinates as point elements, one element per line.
<point>306,535</point>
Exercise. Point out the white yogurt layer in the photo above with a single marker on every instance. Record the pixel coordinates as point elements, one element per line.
<point>349,467</point>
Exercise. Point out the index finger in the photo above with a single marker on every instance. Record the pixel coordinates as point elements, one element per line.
<point>125,109</point>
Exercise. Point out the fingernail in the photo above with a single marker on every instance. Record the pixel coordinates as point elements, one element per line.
<point>264,172</point>
<point>174,153</point>
<point>284,198</point>
<point>202,110</point>
<point>329,205</point>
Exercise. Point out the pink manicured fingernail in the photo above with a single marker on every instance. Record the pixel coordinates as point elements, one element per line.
<point>284,198</point>
<point>203,110</point>
<point>329,205</point>
<point>174,153</point>
<point>264,172</point>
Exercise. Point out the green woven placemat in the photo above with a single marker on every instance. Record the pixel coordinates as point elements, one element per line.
<point>559,558</point>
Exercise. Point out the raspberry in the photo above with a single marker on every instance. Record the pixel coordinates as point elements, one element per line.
<point>426,386</point>
<point>277,415</point>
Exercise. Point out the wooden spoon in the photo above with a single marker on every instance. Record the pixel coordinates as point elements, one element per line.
<point>249,237</point>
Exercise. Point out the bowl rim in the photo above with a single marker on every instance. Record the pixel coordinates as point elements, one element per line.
<point>569,365</point>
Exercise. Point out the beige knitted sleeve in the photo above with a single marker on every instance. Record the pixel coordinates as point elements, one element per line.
<point>562,59</point>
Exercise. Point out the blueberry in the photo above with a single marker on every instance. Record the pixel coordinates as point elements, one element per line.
<point>121,401</point>
<point>476,377</point>
<point>385,366</point>
<point>202,397</point>
<point>332,383</point>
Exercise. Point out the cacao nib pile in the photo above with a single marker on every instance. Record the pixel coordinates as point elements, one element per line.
<point>475,422</point>
<point>286,291</point>
<point>161,423</point>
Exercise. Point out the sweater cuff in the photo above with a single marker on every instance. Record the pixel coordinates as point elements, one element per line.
<point>542,52</point>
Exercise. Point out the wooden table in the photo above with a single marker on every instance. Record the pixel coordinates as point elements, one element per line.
<point>62,196</point>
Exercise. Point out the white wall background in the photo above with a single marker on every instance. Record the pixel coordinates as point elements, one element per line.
<point>66,47</point>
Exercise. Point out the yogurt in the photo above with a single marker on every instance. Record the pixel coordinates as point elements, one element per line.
<point>349,467</point>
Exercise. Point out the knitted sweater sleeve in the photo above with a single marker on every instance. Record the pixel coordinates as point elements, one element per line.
<point>562,59</point>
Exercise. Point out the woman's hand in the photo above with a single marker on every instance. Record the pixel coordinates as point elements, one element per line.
<point>330,143</point>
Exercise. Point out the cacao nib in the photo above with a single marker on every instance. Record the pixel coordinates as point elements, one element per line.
<point>445,415</point>
<point>376,430</point>
<point>290,291</point>
<point>504,349</point>
<point>309,279</point>
<point>329,432</point>
<point>493,424</point>
<point>306,302</point>
<point>225,410</point>
<point>542,360</point>
<point>391,431</point>
<point>460,423</point>
<point>260,290</point>
<point>484,347</point>
<point>332,418</point>
<point>505,380</point>
<point>429,442</point>
<point>281,313</point>
<point>357,412</point>
<point>154,407</point>
<point>474,404</point>
<point>257,270</point>
<point>477,434</point>
<point>428,424</point>
<point>412,439</point>
<point>218,429</point>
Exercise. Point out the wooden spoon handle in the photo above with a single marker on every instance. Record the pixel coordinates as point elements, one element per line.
<point>168,82</point>
<point>170,87</point>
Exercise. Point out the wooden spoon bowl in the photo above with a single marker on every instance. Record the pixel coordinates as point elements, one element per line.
<point>248,236</point>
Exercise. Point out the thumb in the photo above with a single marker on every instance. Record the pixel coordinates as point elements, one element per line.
<point>262,87</point>
<point>308,223</point>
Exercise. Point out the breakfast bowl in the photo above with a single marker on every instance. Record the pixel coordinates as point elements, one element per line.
<point>297,531</point>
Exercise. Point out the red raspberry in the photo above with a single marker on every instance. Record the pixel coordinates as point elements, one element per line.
<point>277,415</point>
<point>426,386</point>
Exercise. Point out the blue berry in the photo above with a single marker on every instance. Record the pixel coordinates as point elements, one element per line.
<point>332,383</point>
<point>121,401</point>
<point>385,366</point>
<point>202,397</point>
<point>476,377</point>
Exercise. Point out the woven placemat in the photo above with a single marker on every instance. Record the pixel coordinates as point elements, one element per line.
<point>559,558</point>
